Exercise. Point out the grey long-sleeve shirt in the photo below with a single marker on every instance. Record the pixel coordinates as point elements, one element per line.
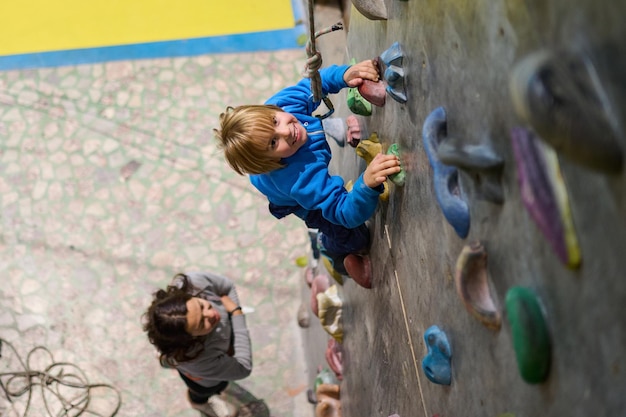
<point>214,365</point>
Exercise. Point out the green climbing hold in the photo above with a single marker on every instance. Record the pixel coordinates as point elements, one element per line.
<point>325,376</point>
<point>356,103</point>
<point>398,178</point>
<point>531,339</point>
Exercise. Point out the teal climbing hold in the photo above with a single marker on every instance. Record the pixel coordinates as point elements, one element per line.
<point>531,339</point>
<point>399,177</point>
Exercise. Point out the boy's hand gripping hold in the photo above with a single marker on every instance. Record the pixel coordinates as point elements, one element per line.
<point>366,70</point>
<point>380,168</point>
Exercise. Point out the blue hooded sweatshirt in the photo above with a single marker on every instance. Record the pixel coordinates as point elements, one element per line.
<point>304,183</point>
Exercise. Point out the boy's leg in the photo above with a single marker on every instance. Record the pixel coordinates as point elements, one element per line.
<point>337,242</point>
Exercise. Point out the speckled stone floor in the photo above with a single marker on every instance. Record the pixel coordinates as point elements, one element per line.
<point>110,183</point>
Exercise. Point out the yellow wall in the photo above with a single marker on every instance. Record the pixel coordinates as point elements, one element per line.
<point>52,25</point>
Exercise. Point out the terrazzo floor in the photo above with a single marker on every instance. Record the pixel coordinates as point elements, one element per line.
<point>110,184</point>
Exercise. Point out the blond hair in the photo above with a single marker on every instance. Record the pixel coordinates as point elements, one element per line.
<point>244,136</point>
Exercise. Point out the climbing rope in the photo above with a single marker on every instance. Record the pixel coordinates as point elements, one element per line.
<point>314,61</point>
<point>62,385</point>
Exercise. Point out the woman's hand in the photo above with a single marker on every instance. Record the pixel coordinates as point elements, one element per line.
<point>366,70</point>
<point>380,168</point>
<point>230,305</point>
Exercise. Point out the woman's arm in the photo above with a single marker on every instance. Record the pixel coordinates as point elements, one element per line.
<point>215,283</point>
<point>218,366</point>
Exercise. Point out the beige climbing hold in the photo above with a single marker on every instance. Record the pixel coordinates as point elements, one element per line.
<point>472,285</point>
<point>330,306</point>
<point>372,9</point>
<point>328,401</point>
<point>369,148</point>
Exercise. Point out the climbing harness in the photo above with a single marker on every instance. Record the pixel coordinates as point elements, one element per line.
<point>314,61</point>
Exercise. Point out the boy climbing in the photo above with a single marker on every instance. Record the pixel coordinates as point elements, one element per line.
<point>283,148</point>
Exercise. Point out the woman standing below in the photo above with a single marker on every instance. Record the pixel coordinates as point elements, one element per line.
<point>198,328</point>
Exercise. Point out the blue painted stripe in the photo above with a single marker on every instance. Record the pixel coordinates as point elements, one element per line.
<point>249,42</point>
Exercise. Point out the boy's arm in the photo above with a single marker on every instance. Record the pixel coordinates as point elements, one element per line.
<point>315,189</point>
<point>332,79</point>
<point>298,99</point>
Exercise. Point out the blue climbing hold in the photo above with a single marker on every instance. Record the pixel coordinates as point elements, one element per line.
<point>446,178</point>
<point>436,364</point>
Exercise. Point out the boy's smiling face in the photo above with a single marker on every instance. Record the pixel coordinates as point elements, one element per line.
<point>289,136</point>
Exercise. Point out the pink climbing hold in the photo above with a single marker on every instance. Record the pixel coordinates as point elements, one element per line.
<point>359,269</point>
<point>334,357</point>
<point>320,284</point>
<point>374,92</point>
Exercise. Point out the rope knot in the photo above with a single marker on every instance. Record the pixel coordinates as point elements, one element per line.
<point>313,64</point>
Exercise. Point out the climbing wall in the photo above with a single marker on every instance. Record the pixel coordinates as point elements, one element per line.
<point>549,209</point>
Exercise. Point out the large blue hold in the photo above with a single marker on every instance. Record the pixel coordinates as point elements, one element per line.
<point>436,364</point>
<point>446,178</point>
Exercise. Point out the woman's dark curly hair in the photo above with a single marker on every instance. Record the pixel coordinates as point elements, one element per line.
<point>165,322</point>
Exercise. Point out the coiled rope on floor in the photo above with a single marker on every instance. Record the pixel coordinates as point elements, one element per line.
<point>62,385</point>
<point>314,60</point>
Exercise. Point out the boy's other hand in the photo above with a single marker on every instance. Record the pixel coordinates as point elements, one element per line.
<point>380,168</point>
<point>366,70</point>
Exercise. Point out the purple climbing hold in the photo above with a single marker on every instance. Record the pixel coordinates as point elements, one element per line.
<point>544,195</point>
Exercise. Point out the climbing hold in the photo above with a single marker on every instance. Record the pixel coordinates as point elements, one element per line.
<point>399,177</point>
<point>303,316</point>
<point>309,275</point>
<point>394,73</point>
<point>372,9</point>
<point>359,268</point>
<point>320,284</point>
<point>369,148</point>
<point>395,83</point>
<point>325,376</point>
<point>330,306</point>
<point>472,285</point>
<point>357,130</point>
<point>374,92</point>
<point>480,162</point>
<point>335,129</point>
<point>328,404</point>
<point>436,364</point>
<point>302,261</point>
<point>531,340</point>
<point>334,357</point>
<point>560,96</point>
<point>446,178</point>
<point>544,194</point>
<point>393,55</point>
<point>356,102</point>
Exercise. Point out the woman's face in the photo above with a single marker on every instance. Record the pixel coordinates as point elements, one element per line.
<point>201,317</point>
